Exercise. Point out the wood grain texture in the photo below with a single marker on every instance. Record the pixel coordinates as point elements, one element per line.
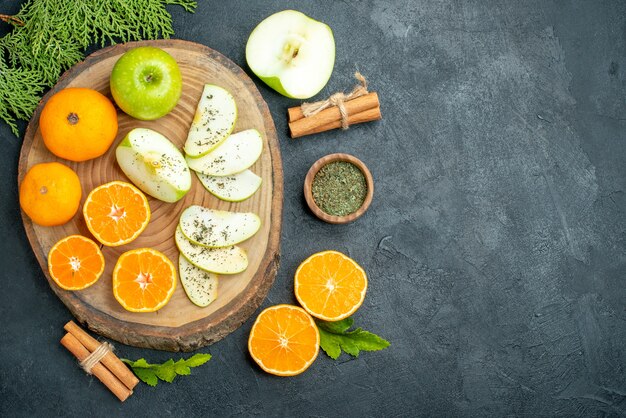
<point>180,325</point>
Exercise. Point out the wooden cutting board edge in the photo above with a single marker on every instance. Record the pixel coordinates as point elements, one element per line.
<point>204,331</point>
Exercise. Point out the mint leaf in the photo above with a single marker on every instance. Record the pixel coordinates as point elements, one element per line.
<point>146,376</point>
<point>181,368</point>
<point>338,327</point>
<point>197,359</point>
<point>335,337</point>
<point>167,372</point>
<point>139,363</point>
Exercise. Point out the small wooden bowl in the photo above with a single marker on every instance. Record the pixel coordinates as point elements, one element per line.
<point>308,195</point>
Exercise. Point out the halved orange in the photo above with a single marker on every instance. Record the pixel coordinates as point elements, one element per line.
<point>116,213</point>
<point>143,280</point>
<point>75,262</point>
<point>330,285</point>
<point>284,340</point>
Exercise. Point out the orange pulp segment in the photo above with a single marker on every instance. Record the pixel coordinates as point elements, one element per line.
<point>330,285</point>
<point>116,213</point>
<point>143,280</point>
<point>284,340</point>
<point>75,262</point>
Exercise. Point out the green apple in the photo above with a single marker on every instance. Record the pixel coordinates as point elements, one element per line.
<point>154,164</point>
<point>292,53</point>
<point>233,188</point>
<point>217,228</point>
<point>214,120</point>
<point>227,260</point>
<point>200,285</point>
<point>146,83</point>
<point>237,153</point>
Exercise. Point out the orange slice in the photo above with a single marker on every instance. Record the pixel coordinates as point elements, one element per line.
<point>330,285</point>
<point>143,280</point>
<point>116,213</point>
<point>284,340</point>
<point>75,262</point>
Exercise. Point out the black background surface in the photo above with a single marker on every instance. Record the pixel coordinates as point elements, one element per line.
<point>495,244</point>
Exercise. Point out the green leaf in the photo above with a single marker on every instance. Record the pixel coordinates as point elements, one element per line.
<point>338,327</point>
<point>142,363</point>
<point>197,359</point>
<point>167,372</point>
<point>335,337</point>
<point>146,376</point>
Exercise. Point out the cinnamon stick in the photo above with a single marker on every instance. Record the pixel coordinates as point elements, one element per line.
<point>110,360</point>
<point>102,373</point>
<point>332,114</point>
<point>299,129</point>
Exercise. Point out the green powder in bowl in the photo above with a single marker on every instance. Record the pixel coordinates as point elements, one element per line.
<point>339,188</point>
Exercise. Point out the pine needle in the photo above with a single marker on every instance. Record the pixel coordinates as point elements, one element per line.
<point>49,36</point>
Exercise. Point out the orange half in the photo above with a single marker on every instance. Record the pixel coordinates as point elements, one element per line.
<point>116,213</point>
<point>284,340</point>
<point>330,285</point>
<point>144,280</point>
<point>75,262</point>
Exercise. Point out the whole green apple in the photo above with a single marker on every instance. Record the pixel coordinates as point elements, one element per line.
<point>146,83</point>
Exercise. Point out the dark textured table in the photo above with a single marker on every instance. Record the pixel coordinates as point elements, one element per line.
<point>495,245</point>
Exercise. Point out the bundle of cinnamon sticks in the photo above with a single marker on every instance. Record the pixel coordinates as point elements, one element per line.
<point>109,370</point>
<point>365,108</point>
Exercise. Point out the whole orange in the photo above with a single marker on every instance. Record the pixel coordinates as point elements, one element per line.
<point>50,194</point>
<point>78,124</point>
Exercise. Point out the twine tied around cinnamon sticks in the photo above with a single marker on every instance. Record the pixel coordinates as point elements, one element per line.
<point>95,357</point>
<point>98,359</point>
<point>337,99</point>
<point>340,110</point>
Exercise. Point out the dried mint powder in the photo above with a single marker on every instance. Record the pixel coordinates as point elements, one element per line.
<point>339,188</point>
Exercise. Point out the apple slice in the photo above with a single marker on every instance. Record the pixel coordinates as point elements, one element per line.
<point>234,188</point>
<point>227,260</point>
<point>217,228</point>
<point>200,285</point>
<point>233,156</point>
<point>292,53</point>
<point>154,164</point>
<point>214,120</point>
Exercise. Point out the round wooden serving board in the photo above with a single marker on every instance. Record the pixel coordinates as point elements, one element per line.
<point>180,325</point>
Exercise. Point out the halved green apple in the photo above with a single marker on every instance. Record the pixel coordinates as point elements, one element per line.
<point>227,260</point>
<point>233,156</point>
<point>200,285</point>
<point>234,188</point>
<point>292,53</point>
<point>217,228</point>
<point>214,120</point>
<point>154,164</point>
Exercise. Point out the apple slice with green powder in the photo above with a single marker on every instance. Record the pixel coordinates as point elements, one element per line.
<point>236,154</point>
<point>154,164</point>
<point>200,285</point>
<point>292,53</point>
<point>233,188</point>
<point>217,228</point>
<point>214,120</point>
<point>227,260</point>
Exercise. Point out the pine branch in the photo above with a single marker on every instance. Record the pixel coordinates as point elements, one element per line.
<point>11,19</point>
<point>20,90</point>
<point>54,34</point>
